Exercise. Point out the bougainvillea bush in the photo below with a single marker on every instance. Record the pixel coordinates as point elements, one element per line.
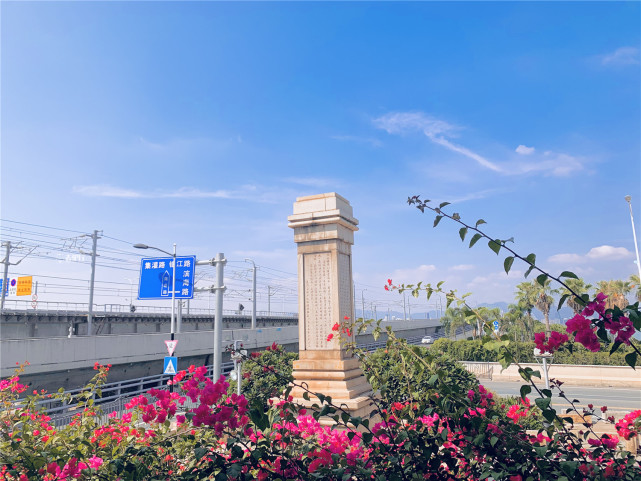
<point>431,422</point>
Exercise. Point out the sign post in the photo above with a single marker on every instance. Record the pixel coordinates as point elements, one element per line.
<point>157,274</point>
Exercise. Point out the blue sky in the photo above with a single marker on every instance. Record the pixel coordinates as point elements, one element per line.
<point>200,123</point>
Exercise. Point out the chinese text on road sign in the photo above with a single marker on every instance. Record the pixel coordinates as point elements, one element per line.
<point>156,277</point>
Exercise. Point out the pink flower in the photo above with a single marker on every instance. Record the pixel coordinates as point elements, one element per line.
<point>610,441</point>
<point>95,462</point>
<point>330,337</point>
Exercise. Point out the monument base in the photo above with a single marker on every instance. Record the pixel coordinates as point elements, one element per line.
<point>335,374</point>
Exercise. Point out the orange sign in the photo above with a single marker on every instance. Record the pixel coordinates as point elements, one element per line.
<point>24,286</point>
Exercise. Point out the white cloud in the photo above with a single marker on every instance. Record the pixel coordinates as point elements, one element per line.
<point>495,278</point>
<point>412,276</point>
<point>600,253</point>
<point>566,258</point>
<point>608,253</point>
<point>107,191</point>
<point>440,132</point>
<point>434,129</point>
<point>621,56</point>
<point>403,122</point>
<point>523,150</point>
<point>247,192</point>
<point>462,267</point>
<point>466,152</point>
<point>551,163</point>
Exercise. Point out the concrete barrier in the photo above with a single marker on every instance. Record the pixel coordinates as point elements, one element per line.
<point>68,353</point>
<point>571,374</point>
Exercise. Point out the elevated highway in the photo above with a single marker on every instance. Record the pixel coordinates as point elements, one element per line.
<point>71,320</point>
<point>67,361</point>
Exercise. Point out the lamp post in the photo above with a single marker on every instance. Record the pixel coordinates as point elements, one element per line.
<point>634,233</point>
<point>173,289</point>
<point>253,326</point>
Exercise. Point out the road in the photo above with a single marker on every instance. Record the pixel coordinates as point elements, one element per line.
<point>616,399</point>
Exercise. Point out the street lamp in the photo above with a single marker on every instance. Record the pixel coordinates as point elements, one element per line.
<point>634,234</point>
<point>173,287</point>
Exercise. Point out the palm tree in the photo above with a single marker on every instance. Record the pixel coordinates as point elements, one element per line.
<point>519,322</point>
<point>579,287</point>
<point>525,298</point>
<point>616,290</point>
<point>635,283</point>
<point>452,319</point>
<point>532,295</point>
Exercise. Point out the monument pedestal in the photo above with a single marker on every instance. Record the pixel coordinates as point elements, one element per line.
<point>324,232</point>
<point>331,374</point>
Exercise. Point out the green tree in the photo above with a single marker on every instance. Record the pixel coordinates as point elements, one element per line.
<point>635,284</point>
<point>616,290</point>
<point>518,323</point>
<point>452,319</point>
<point>532,295</point>
<point>579,287</point>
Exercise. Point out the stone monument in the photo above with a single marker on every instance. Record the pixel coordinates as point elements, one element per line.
<point>324,232</point>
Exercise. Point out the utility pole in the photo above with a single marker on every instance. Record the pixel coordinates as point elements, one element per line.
<point>363,303</point>
<point>5,276</point>
<point>409,308</point>
<point>94,248</point>
<point>269,300</point>
<point>220,262</point>
<point>404,311</point>
<point>253,293</point>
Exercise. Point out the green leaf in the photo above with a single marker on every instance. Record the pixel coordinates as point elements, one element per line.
<point>437,220</point>
<point>479,222</point>
<point>475,238</point>
<point>525,390</point>
<point>549,415</point>
<point>631,359</point>
<point>615,346</point>
<point>541,279</point>
<point>200,452</point>
<point>531,258</point>
<point>493,440</point>
<point>569,467</point>
<point>462,232</point>
<point>495,245</point>
<point>543,403</point>
<point>527,273</point>
<point>507,264</point>
<point>569,274</point>
<point>443,204</point>
<point>562,301</point>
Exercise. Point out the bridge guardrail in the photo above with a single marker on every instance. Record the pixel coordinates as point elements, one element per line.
<point>116,394</point>
<point>82,308</point>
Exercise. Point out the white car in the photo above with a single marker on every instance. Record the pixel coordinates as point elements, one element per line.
<point>427,340</point>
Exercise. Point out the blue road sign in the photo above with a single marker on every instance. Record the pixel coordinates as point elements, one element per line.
<point>156,277</point>
<point>496,325</point>
<point>171,365</point>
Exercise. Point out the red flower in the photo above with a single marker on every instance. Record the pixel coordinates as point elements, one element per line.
<point>330,337</point>
<point>389,282</point>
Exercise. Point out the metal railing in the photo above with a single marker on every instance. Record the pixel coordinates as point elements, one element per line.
<point>115,395</point>
<point>82,307</point>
